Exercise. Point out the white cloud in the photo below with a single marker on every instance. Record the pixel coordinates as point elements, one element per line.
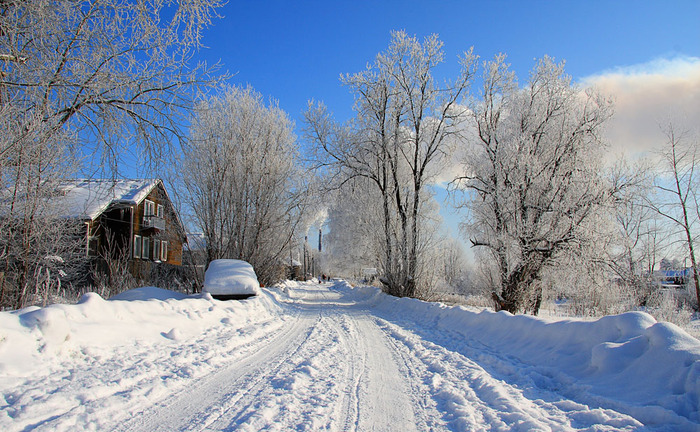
<point>649,95</point>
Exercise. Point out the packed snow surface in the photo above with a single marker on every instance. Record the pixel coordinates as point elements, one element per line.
<point>309,356</point>
<point>231,277</point>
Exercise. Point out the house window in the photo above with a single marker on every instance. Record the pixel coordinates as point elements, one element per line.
<point>156,250</point>
<point>164,251</point>
<point>149,208</point>
<point>137,246</point>
<point>145,252</point>
<point>160,211</point>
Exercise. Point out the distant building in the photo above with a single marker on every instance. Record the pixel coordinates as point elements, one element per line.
<point>673,277</point>
<point>369,274</point>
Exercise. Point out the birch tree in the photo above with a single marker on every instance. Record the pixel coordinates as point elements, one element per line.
<point>532,179</point>
<point>244,187</point>
<point>403,124</point>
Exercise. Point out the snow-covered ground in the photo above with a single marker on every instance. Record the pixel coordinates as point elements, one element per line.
<point>332,357</point>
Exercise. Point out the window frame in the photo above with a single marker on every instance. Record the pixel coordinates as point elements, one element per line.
<point>145,250</point>
<point>156,250</point>
<point>136,250</point>
<point>148,205</point>
<point>163,251</point>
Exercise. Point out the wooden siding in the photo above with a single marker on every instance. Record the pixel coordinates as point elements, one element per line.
<point>116,222</point>
<point>173,232</point>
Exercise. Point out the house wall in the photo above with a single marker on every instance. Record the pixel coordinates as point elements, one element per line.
<point>172,233</point>
<point>109,234</point>
<point>115,232</point>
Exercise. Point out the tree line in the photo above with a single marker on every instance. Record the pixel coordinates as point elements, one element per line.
<point>545,213</point>
<point>86,85</point>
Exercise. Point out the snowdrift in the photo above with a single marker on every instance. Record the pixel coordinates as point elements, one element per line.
<point>628,362</point>
<point>34,339</point>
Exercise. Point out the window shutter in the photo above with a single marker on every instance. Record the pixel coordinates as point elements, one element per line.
<point>145,252</point>
<point>164,251</point>
<point>160,211</point>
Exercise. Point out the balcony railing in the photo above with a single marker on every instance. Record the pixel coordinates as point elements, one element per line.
<point>153,222</point>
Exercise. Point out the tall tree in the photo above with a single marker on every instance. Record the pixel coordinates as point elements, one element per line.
<point>402,127</point>
<point>354,214</point>
<point>638,239</point>
<point>85,78</point>
<point>244,186</point>
<point>679,200</point>
<point>117,71</point>
<point>532,179</point>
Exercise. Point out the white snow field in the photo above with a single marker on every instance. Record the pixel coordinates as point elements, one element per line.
<point>309,356</point>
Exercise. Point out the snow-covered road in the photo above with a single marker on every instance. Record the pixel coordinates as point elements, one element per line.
<point>330,367</point>
<point>335,365</point>
<point>313,357</point>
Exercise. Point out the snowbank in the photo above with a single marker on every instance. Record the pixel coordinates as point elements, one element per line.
<point>231,277</point>
<point>628,362</point>
<point>149,293</point>
<point>33,338</point>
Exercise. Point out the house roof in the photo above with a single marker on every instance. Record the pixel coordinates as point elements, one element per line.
<point>88,198</point>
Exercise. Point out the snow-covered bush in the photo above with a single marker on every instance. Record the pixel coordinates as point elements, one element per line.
<point>668,305</point>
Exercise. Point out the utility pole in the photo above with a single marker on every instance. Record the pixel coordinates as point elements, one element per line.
<point>306,240</point>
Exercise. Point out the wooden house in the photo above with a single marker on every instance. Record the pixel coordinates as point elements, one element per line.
<point>132,220</point>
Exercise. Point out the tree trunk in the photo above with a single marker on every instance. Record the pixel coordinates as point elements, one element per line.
<point>516,294</point>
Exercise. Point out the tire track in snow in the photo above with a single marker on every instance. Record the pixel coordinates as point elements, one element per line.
<point>314,387</point>
<point>210,397</point>
<point>347,411</point>
<point>375,395</point>
<point>384,400</point>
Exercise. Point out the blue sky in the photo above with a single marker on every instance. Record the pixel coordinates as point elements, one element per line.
<point>294,51</point>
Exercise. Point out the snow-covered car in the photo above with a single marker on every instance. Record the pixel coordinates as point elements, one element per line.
<point>230,279</point>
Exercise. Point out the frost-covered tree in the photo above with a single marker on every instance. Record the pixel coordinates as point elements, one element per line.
<point>678,199</point>
<point>354,214</point>
<point>639,237</point>
<point>40,250</point>
<point>532,179</point>
<point>84,80</point>
<point>116,71</point>
<point>403,123</point>
<point>244,187</point>
<point>454,265</point>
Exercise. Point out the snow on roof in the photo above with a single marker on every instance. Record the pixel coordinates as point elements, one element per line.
<point>87,199</point>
